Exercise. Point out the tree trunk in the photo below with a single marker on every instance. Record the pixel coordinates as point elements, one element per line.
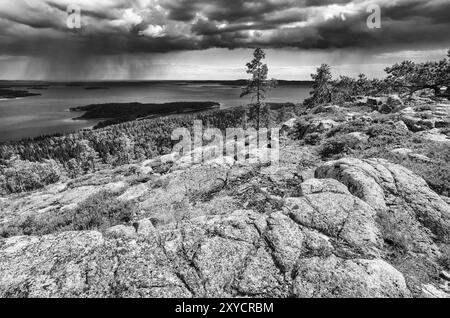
<point>258,97</point>
<point>258,107</point>
<point>258,113</point>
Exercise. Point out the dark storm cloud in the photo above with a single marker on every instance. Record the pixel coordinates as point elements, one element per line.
<point>102,15</point>
<point>133,26</point>
<point>226,10</point>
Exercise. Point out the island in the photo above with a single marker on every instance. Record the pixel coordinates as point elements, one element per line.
<point>115,113</point>
<point>10,93</point>
<point>95,88</point>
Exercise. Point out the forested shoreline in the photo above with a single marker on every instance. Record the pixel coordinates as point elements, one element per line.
<point>117,113</point>
<point>32,163</point>
<point>13,93</point>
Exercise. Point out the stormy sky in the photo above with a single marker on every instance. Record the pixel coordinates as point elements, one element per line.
<point>213,39</point>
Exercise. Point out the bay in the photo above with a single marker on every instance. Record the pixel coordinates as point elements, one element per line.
<point>49,113</point>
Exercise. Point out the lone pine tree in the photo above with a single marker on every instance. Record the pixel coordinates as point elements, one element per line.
<point>258,85</point>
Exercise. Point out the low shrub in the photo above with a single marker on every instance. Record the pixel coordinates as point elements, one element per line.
<point>396,231</point>
<point>387,134</point>
<point>301,126</point>
<point>436,171</point>
<point>347,128</point>
<point>18,175</point>
<point>98,212</point>
<point>444,260</point>
<point>437,175</point>
<point>313,139</point>
<point>101,211</point>
<point>446,131</point>
<point>339,145</point>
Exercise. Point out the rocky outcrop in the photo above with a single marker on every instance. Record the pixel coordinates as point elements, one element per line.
<point>435,135</point>
<point>348,278</point>
<point>323,241</point>
<point>426,117</point>
<point>327,109</point>
<point>241,254</point>
<point>385,104</point>
<point>393,104</point>
<point>424,93</point>
<point>416,124</point>
<point>318,126</point>
<point>228,230</point>
<point>395,189</point>
<point>430,291</point>
<point>328,207</point>
<point>408,153</point>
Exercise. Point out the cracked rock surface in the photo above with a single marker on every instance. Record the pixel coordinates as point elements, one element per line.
<point>251,231</point>
<point>242,254</point>
<point>394,189</point>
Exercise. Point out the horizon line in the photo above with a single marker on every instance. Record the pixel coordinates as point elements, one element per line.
<point>142,80</point>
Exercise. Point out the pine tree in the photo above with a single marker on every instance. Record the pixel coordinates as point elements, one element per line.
<point>321,93</point>
<point>125,150</point>
<point>87,156</point>
<point>258,85</point>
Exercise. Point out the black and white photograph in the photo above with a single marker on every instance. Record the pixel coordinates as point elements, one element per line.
<point>224,155</point>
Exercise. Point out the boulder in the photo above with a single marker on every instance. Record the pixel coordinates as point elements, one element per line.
<point>288,126</point>
<point>366,119</point>
<point>408,153</point>
<point>359,136</point>
<point>387,109</point>
<point>445,275</point>
<point>326,109</point>
<point>352,116</point>
<point>145,168</point>
<point>375,102</point>
<point>426,92</point>
<point>420,158</point>
<point>152,163</point>
<point>221,162</point>
<point>323,125</point>
<point>400,125</point>
<point>170,158</point>
<point>392,104</point>
<point>328,206</point>
<point>183,163</point>
<point>361,100</point>
<point>358,278</point>
<point>392,188</point>
<point>286,240</point>
<point>395,100</point>
<point>403,152</point>
<point>314,126</point>
<point>442,123</point>
<point>434,135</point>
<point>121,232</point>
<point>416,124</point>
<point>408,111</point>
<point>144,227</point>
<point>431,291</point>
